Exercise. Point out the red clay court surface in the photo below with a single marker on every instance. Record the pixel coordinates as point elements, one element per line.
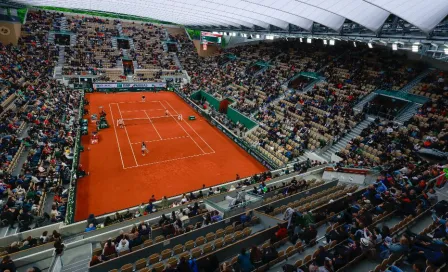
<point>182,156</point>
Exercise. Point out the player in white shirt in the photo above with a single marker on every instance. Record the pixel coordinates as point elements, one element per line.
<point>144,149</point>
<point>120,123</point>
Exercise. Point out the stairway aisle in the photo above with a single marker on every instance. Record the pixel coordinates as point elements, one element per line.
<point>407,113</point>
<point>120,30</point>
<point>77,259</point>
<point>72,39</point>
<point>339,145</point>
<point>64,24</point>
<point>408,87</point>
<point>60,63</point>
<point>125,54</point>
<point>114,43</point>
<point>131,44</point>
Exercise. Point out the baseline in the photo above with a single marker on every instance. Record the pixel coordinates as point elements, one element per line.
<point>176,159</point>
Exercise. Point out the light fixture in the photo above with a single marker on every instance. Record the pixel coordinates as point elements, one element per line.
<point>301,40</point>
<point>394,46</point>
<point>354,44</point>
<point>325,42</point>
<point>414,48</point>
<point>257,36</point>
<point>308,40</point>
<point>370,45</point>
<point>331,42</point>
<point>446,50</point>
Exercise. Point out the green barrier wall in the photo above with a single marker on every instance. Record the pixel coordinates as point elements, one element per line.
<point>404,96</point>
<point>71,199</point>
<point>214,102</point>
<point>236,116</point>
<point>211,100</point>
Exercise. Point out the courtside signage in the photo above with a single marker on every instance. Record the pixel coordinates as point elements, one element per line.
<point>130,85</point>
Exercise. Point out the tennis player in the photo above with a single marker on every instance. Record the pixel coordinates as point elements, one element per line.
<point>166,113</point>
<point>144,149</point>
<point>120,123</point>
<point>143,98</point>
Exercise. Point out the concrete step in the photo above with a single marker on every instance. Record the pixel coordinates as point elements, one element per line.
<point>77,259</point>
<point>339,145</point>
<point>408,87</point>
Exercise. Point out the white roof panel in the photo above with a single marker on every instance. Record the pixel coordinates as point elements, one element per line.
<point>425,14</point>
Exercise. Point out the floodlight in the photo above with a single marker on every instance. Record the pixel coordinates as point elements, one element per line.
<point>325,42</point>
<point>414,48</point>
<point>308,40</point>
<point>301,40</point>
<point>394,46</point>
<point>370,45</point>
<point>354,44</point>
<point>446,50</point>
<point>331,42</point>
<point>257,36</point>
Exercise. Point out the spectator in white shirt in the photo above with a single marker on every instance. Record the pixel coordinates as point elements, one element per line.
<point>123,245</point>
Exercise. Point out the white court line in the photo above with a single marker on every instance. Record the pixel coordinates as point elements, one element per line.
<point>125,130</point>
<point>157,117</point>
<point>116,136</point>
<point>164,139</point>
<point>146,164</point>
<point>162,104</point>
<point>153,125</point>
<point>152,101</point>
<point>143,110</point>
<point>187,133</point>
<point>190,126</point>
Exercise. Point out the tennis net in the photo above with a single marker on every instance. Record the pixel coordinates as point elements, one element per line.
<point>151,120</point>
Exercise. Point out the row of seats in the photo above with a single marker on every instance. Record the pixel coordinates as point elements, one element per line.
<point>192,249</point>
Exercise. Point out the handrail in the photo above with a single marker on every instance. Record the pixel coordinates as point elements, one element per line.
<point>56,263</point>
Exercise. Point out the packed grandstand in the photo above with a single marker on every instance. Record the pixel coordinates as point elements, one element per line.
<point>354,179</point>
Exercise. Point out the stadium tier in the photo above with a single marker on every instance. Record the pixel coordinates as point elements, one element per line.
<point>124,147</point>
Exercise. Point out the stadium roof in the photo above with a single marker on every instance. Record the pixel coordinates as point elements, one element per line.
<point>424,14</point>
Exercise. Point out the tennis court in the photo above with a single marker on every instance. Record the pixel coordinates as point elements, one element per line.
<point>183,154</point>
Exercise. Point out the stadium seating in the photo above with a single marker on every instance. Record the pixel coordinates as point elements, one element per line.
<point>38,121</point>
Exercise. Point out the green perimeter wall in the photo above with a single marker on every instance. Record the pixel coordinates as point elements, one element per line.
<point>234,115</point>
